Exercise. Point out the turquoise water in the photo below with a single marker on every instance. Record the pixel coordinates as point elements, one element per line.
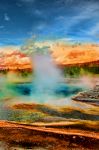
<point>27,92</point>
<point>12,90</point>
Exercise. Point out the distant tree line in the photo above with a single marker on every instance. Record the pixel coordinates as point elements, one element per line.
<point>74,71</point>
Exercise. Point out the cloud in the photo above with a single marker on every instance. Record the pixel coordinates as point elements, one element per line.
<point>83,12</point>
<point>74,26</point>
<point>2,27</point>
<point>49,43</point>
<point>41,26</point>
<point>6,17</point>
<point>65,40</point>
<point>94,30</point>
<point>18,5</point>
<point>86,12</point>
<point>61,18</point>
<point>38,12</point>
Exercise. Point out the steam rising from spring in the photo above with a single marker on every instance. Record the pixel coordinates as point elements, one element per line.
<point>47,75</point>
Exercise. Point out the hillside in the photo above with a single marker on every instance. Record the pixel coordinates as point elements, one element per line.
<point>67,55</point>
<point>63,55</point>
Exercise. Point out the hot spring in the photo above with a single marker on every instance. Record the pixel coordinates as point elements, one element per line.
<point>48,81</point>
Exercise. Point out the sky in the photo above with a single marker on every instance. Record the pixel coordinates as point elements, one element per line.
<point>70,20</point>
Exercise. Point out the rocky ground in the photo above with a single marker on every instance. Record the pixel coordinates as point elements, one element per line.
<point>15,135</point>
<point>91,96</point>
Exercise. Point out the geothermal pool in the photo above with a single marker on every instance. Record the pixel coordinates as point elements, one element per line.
<point>45,106</point>
<point>11,94</point>
<point>26,93</point>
